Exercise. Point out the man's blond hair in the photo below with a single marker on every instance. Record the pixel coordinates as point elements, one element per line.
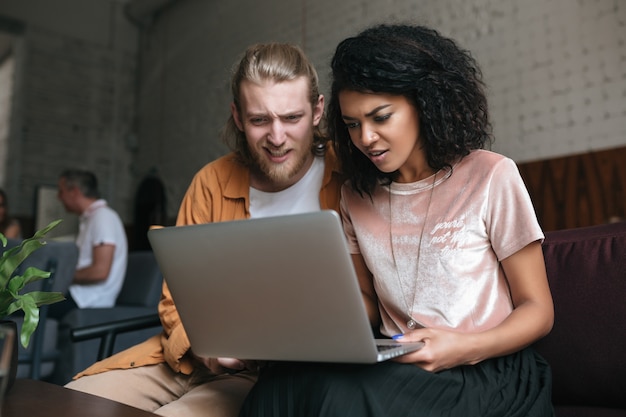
<point>277,62</point>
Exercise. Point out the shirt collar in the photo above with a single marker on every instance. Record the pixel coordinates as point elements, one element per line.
<point>93,207</point>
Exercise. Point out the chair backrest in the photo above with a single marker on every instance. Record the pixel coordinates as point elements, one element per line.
<point>62,255</point>
<point>587,274</point>
<point>143,281</point>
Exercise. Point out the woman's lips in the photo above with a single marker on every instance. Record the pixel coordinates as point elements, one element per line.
<point>377,156</point>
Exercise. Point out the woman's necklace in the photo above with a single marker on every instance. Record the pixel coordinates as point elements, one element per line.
<point>411,323</point>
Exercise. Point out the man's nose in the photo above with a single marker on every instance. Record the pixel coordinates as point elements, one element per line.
<point>277,133</point>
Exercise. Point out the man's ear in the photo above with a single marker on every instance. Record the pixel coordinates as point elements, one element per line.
<point>236,116</point>
<point>318,110</point>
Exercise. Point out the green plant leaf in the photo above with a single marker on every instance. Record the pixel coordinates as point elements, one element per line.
<point>7,266</point>
<point>13,257</point>
<point>31,317</point>
<point>5,303</point>
<point>31,274</point>
<point>41,297</point>
<point>10,284</point>
<point>41,233</point>
<point>15,285</point>
<point>30,304</point>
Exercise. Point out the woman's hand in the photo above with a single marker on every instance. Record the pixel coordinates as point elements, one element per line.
<point>443,349</point>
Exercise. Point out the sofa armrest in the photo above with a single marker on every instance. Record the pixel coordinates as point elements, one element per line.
<point>587,275</point>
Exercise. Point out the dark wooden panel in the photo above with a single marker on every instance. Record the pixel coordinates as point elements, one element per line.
<point>578,190</point>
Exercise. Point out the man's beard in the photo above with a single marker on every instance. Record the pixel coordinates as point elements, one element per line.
<point>279,173</point>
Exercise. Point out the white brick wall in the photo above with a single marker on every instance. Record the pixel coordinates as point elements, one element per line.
<point>6,75</point>
<point>555,69</point>
<point>76,112</point>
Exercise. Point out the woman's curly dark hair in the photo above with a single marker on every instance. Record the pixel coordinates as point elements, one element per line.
<point>442,80</point>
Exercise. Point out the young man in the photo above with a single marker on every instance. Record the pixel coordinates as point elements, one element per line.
<point>280,164</point>
<point>102,245</point>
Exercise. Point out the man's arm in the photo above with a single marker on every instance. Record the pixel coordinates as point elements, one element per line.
<point>98,271</point>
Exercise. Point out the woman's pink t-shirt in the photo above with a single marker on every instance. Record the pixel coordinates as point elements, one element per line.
<point>480,213</point>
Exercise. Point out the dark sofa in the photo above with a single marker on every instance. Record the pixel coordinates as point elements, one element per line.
<point>587,346</point>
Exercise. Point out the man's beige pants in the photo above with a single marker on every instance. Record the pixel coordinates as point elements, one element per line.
<point>156,388</point>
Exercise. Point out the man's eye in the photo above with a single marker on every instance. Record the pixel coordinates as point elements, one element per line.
<point>293,117</point>
<point>257,121</point>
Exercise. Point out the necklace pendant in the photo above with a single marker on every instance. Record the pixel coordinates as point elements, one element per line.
<point>411,324</point>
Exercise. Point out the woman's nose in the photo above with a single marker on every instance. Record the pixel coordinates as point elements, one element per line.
<point>368,136</point>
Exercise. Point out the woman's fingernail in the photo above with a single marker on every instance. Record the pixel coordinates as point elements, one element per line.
<point>397,336</point>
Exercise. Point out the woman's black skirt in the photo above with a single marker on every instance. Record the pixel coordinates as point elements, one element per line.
<point>511,386</point>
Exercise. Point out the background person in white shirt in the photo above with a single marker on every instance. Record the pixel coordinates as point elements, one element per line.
<point>101,241</point>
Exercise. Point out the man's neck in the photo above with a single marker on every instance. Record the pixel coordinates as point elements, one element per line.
<point>85,204</point>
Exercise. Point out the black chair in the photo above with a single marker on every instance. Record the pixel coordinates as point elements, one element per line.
<point>107,332</point>
<point>138,299</point>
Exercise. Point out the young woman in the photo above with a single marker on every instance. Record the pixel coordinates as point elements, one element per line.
<point>444,238</point>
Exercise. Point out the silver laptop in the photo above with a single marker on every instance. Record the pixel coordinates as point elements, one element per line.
<point>277,288</point>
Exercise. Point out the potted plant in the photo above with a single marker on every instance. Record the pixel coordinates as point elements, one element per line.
<point>11,300</point>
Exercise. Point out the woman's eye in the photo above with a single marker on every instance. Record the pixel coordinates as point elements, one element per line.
<point>352,125</point>
<point>382,118</point>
